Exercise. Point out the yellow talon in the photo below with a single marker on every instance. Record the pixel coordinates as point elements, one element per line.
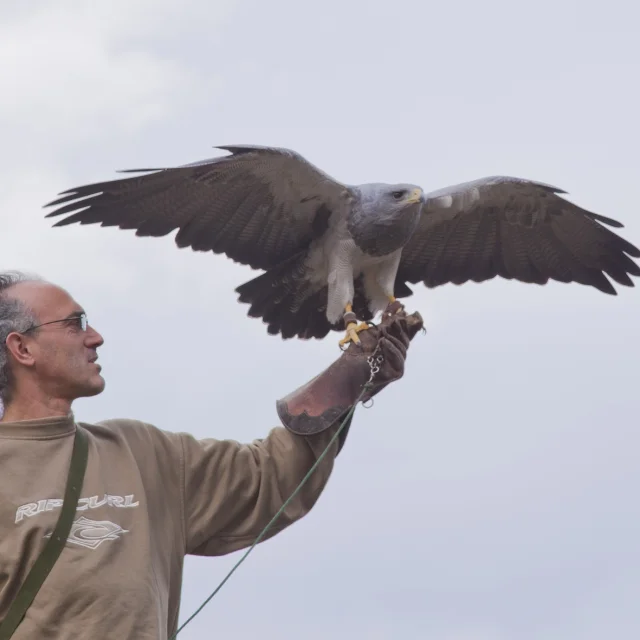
<point>353,328</point>
<point>352,332</point>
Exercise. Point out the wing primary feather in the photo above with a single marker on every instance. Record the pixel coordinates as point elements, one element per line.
<point>258,205</point>
<point>516,229</point>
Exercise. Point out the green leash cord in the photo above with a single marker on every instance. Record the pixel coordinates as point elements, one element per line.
<point>375,367</point>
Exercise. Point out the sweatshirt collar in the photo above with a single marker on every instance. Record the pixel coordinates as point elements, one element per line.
<point>38,429</point>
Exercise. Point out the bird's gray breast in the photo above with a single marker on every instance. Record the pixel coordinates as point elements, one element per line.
<point>379,234</point>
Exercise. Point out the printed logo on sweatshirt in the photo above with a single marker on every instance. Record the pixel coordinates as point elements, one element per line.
<point>92,533</point>
<point>93,502</point>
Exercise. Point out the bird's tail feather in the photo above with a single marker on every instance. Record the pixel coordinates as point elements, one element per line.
<point>288,303</point>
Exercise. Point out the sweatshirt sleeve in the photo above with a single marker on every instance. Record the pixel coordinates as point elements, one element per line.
<point>232,490</point>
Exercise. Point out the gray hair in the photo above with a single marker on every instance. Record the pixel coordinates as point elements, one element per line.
<point>14,316</point>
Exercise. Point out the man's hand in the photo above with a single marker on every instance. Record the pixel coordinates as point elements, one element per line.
<point>324,400</point>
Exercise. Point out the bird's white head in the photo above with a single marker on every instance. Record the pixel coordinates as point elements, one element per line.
<point>406,194</point>
<point>391,198</point>
<point>386,216</point>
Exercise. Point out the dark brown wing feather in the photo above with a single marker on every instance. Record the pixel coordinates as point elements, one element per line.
<point>286,303</point>
<point>515,229</point>
<point>258,205</point>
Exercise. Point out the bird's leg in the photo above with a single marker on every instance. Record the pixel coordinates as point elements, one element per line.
<point>352,326</point>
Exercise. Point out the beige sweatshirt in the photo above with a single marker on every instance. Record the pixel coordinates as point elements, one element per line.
<point>149,497</point>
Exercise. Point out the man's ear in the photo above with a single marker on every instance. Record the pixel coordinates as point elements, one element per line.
<point>20,349</point>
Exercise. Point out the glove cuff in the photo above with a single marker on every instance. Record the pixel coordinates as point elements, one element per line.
<point>325,399</point>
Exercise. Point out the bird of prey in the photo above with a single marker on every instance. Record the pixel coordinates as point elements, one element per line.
<point>334,254</point>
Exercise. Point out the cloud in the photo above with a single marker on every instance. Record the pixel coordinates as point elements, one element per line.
<point>97,75</point>
<point>84,77</point>
<point>487,495</point>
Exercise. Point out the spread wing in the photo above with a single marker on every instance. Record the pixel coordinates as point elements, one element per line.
<point>259,205</point>
<point>516,229</point>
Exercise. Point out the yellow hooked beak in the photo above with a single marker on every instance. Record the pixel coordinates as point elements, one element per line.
<point>416,196</point>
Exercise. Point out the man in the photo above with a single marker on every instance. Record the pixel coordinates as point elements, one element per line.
<point>149,496</point>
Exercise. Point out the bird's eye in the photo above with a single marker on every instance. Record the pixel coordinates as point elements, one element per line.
<point>397,195</point>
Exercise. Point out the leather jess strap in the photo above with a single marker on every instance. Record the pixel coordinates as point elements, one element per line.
<point>54,545</point>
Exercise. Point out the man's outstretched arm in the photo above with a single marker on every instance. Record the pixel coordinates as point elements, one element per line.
<point>233,490</point>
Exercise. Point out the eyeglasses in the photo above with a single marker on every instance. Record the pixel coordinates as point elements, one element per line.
<point>80,320</point>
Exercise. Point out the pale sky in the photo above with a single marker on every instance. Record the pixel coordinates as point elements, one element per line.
<point>492,493</point>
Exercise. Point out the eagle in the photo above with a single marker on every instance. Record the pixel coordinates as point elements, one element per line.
<point>334,255</point>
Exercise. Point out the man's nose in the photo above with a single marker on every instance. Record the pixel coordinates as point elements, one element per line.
<point>94,339</point>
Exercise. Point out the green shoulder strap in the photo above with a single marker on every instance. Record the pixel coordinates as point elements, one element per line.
<point>55,543</point>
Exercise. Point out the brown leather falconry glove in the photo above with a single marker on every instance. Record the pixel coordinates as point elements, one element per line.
<point>324,401</point>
